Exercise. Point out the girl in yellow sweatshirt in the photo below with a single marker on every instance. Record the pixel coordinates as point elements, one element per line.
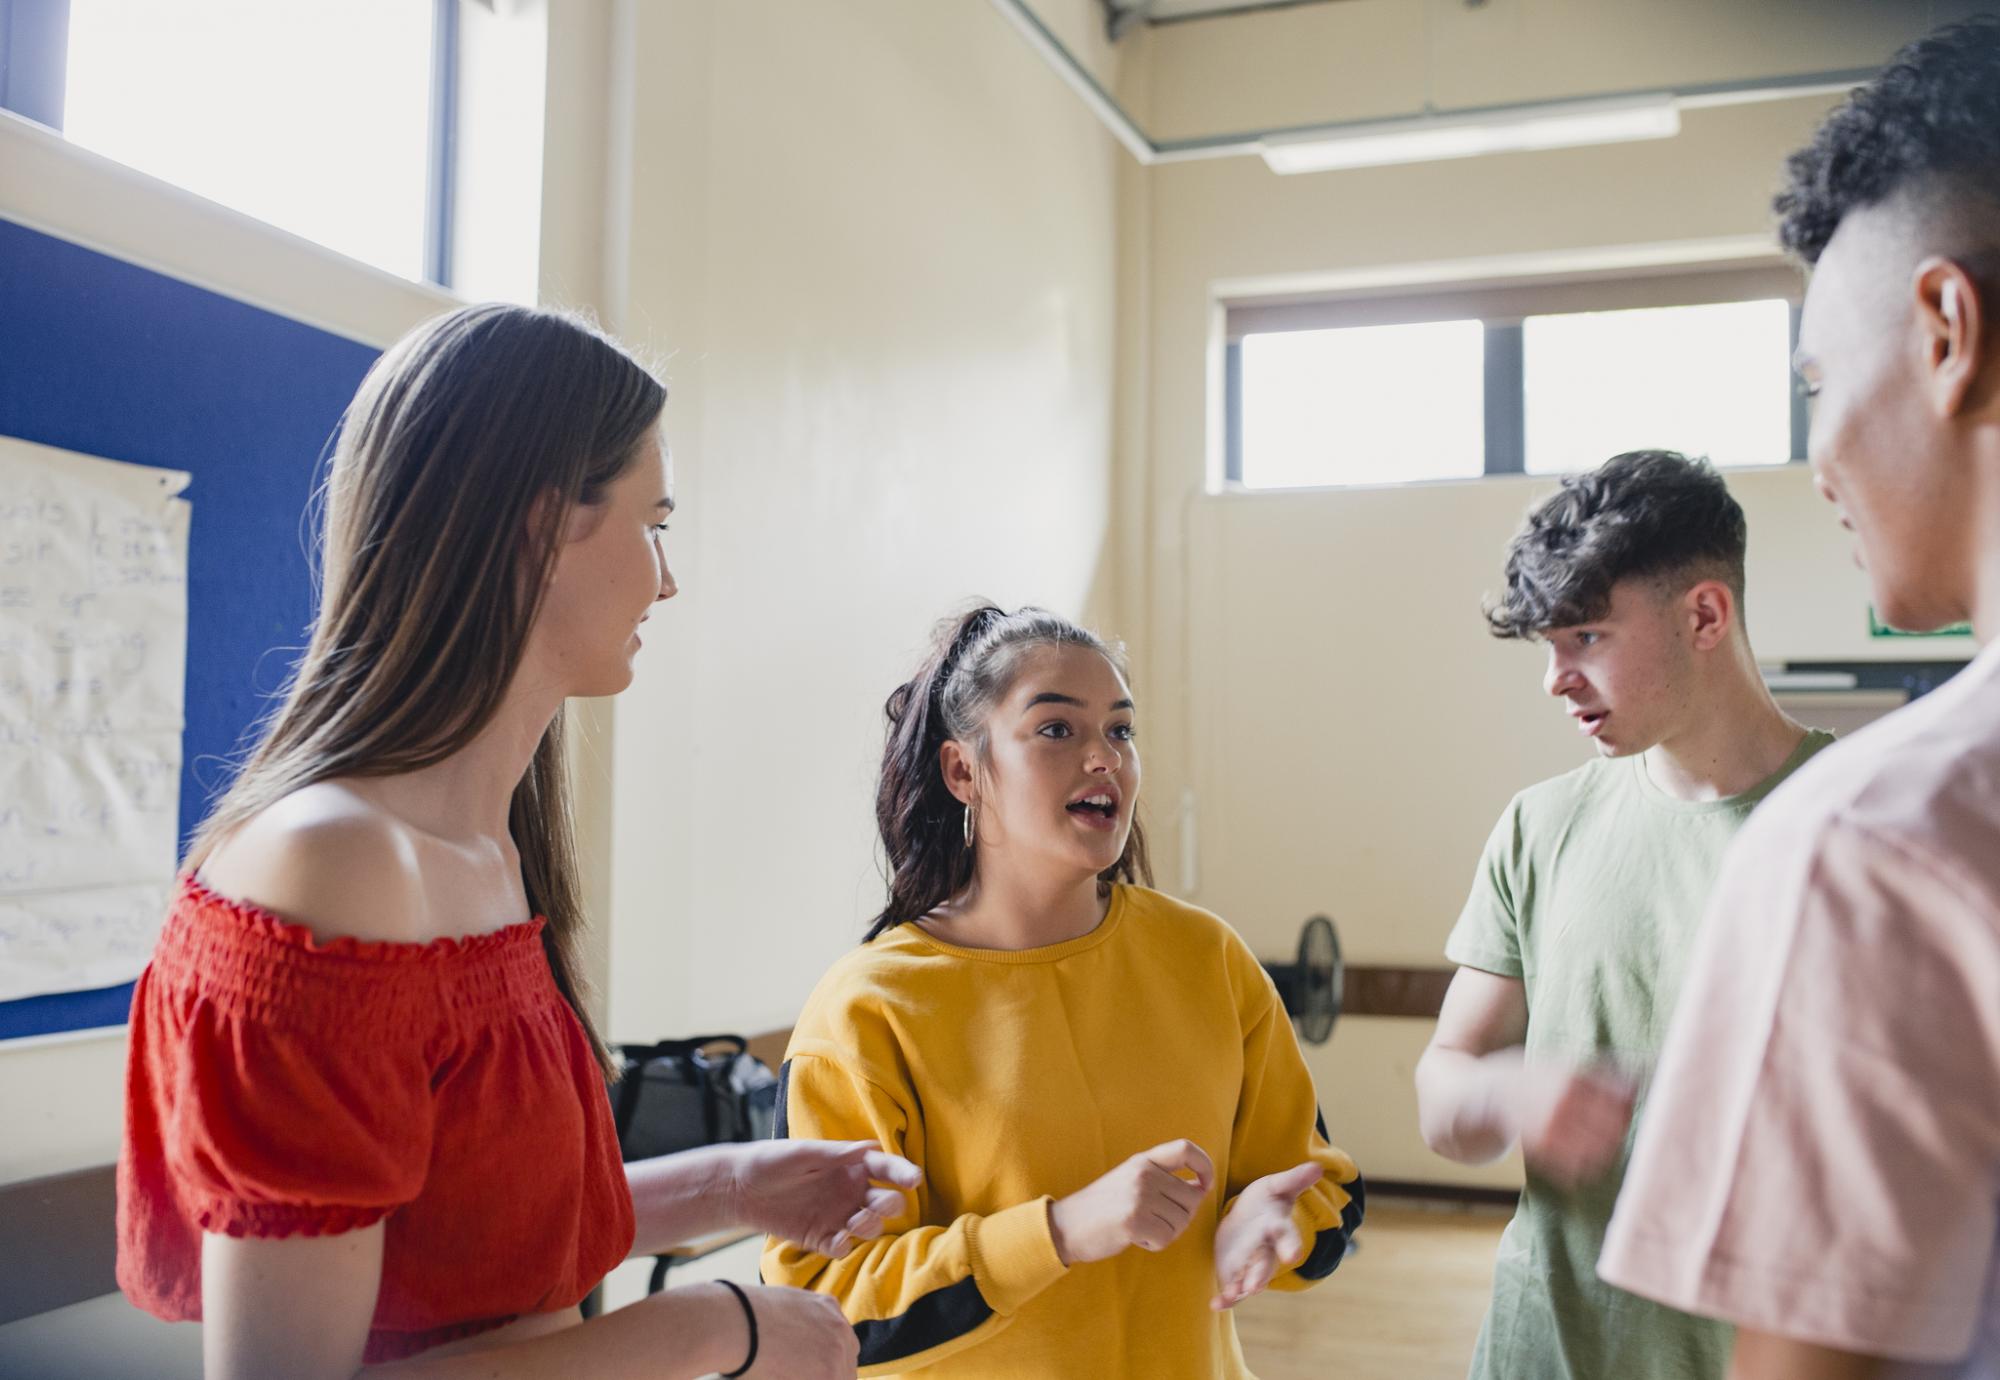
<point>1118,1135</point>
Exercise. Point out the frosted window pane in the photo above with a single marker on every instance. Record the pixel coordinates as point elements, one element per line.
<point>314,117</point>
<point>1706,380</point>
<point>1364,405</point>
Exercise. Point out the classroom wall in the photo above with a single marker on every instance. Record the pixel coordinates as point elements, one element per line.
<point>63,1094</point>
<point>874,245</point>
<point>930,335</point>
<point>872,251</point>
<point>1319,690</point>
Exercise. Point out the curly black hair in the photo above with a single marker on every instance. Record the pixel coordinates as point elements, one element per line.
<point>1646,514</point>
<point>1929,122</point>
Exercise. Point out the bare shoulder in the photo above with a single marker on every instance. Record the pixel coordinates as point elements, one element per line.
<point>327,858</point>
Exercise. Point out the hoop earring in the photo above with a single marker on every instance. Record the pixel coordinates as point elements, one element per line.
<point>971,827</point>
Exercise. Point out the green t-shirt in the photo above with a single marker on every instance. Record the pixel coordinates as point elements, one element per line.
<point>1590,891</point>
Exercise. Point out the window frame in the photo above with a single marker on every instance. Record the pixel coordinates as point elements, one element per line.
<point>34,53</point>
<point>34,59</point>
<point>1501,306</point>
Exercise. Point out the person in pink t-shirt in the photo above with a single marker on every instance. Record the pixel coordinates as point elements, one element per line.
<point>1820,1163</point>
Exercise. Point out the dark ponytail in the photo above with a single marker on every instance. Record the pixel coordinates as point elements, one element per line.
<point>970,668</point>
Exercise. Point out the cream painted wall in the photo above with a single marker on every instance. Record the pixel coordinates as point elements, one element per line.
<point>888,263</point>
<point>874,245</point>
<point>882,288</point>
<point>581,266</point>
<point>1314,669</point>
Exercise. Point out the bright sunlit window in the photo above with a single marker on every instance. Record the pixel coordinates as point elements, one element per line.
<point>1706,380</point>
<point>312,116</point>
<point>1362,405</point>
<point>1539,378</point>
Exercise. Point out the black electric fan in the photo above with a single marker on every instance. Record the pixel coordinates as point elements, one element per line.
<point>1311,984</point>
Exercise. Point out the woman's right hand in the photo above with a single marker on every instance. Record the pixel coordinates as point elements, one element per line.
<point>800,1336</point>
<point>1143,1202</point>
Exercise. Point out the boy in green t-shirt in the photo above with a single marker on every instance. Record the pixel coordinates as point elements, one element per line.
<point>1585,905</point>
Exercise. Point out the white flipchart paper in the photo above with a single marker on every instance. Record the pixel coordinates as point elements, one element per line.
<point>93,652</point>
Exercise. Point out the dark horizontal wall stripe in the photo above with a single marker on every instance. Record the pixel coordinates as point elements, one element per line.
<point>1381,991</point>
<point>1472,1195</point>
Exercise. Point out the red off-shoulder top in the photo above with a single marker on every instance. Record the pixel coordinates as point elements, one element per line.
<point>280,1086</point>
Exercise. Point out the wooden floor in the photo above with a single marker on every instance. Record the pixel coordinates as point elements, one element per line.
<point>1406,1306</point>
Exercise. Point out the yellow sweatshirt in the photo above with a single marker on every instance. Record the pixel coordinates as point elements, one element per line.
<point>1015,1077</point>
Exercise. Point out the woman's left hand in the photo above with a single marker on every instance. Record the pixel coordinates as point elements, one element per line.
<point>821,1194</point>
<point>1258,1238</point>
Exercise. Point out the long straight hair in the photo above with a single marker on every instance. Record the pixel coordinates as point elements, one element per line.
<point>973,663</point>
<point>434,560</point>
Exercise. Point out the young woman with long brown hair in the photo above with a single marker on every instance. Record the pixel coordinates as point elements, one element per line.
<point>366,1116</point>
<point>1080,1064</point>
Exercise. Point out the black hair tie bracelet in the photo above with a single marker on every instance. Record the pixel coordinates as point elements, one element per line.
<point>750,1317</point>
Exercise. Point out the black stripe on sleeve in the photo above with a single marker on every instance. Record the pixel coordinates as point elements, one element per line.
<point>1330,1246</point>
<point>938,1317</point>
<point>781,1114</point>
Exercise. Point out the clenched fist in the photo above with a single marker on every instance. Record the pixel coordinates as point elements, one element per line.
<point>1144,1202</point>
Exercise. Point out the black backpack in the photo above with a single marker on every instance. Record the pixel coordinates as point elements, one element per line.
<point>679,1094</point>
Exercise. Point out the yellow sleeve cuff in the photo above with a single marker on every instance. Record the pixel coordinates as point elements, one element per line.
<point>1311,1214</point>
<point>1014,1254</point>
<point>1310,1219</point>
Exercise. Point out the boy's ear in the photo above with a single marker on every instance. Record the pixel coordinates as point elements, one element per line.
<point>1710,608</point>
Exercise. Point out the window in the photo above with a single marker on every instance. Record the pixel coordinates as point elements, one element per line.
<point>1545,377</point>
<point>1712,380</point>
<point>332,121</point>
<point>1365,405</point>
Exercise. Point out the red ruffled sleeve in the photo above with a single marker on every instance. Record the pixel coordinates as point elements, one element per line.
<point>275,1132</point>
<point>280,1086</point>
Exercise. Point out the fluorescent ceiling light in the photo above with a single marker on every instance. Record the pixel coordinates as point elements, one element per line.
<point>1433,137</point>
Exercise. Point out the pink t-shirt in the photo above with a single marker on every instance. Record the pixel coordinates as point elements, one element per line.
<point>1820,1157</point>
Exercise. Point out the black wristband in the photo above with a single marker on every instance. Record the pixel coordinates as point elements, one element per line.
<point>750,1317</point>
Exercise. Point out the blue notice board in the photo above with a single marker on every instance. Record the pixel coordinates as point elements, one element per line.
<point>103,357</point>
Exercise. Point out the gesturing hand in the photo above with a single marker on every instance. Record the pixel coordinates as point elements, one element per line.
<point>1573,1121</point>
<point>821,1194</point>
<point>1258,1237</point>
<point>1143,1202</point>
